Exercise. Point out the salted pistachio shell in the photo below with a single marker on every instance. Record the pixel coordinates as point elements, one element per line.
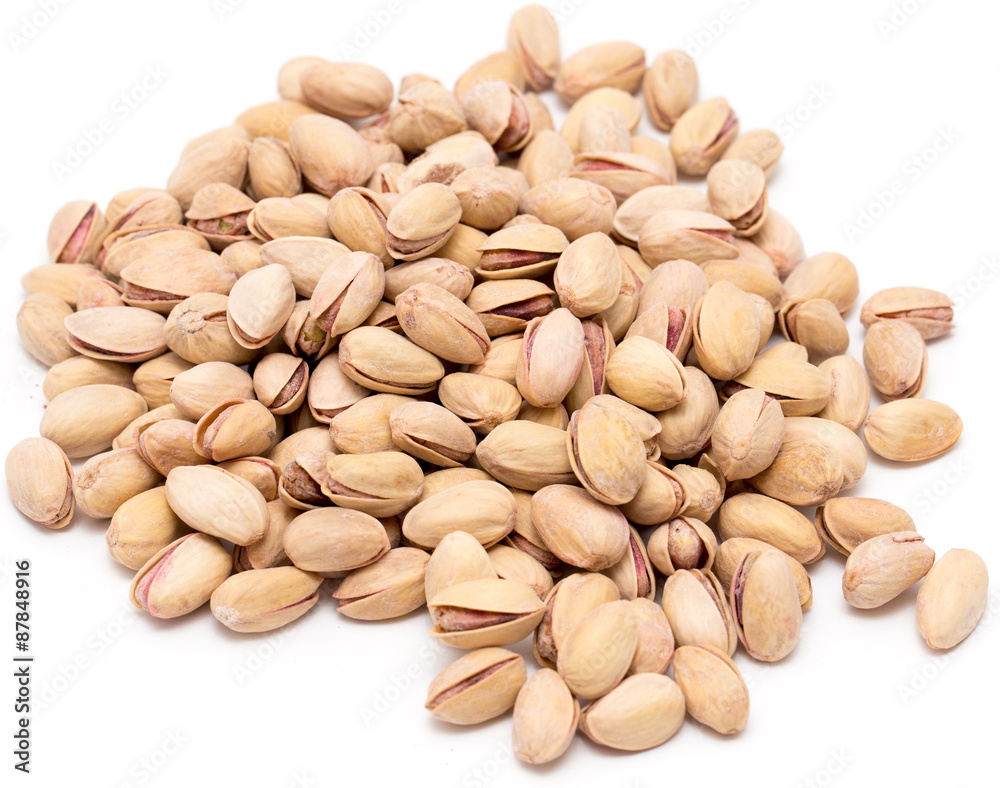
<point>483,508</point>
<point>261,472</point>
<point>610,630</point>
<point>732,551</point>
<point>526,455</point>
<point>364,428</point>
<point>334,540</point>
<point>678,283</point>
<point>85,420</point>
<point>645,424</point>
<point>383,361</point>
<point>357,218</point>
<point>503,65</point>
<point>382,484</point>
<point>952,599</point>
<point>682,543</point>
<point>218,503</point>
<point>633,574</point>
<point>525,536</point>
<point>637,210</point>
<point>655,647</point>
<point>59,280</point>
<point>272,118</point>
<point>687,428</point>
<point>850,392</point>
<point>624,174</point>
<point>726,331</point>
<point>778,524</point>
<point>748,434</point>
<point>422,221</point>
<point>910,430</point>
<point>304,478</point>
<point>390,587</point>
<point>162,279</point>
<point>479,401</point>
<point>545,718</point>
<point>578,529</point>
<point>497,110</point>
<point>306,258</point>
<point>114,333</point>
<point>75,233</point>
<point>268,551</point>
<point>126,439</point>
<point>235,428</point>
<point>426,113</point>
<point>259,305</point>
<point>331,391</point>
<point>686,235</point>
<point>547,157</point>
<point>895,359</point>
<point>568,603</point>
<point>574,206</point>
<point>108,480</point>
<point>446,478</point>
<point>883,567</point>
<point>588,275</point>
<point>280,382</point>
<point>486,612</point>
<point>799,386</point>
<point>643,712</point>
<point>438,321</point>
<point>445,160</point>
<point>272,170</point>
<point>623,102</point>
<point>550,359</point>
<point>737,192</point>
<point>198,390</point>
<point>669,87</point>
<point>598,346</point>
<point>432,433</point>
<point>181,577</point>
<point>262,600</point>
<point>346,90</point>
<point>127,247</point>
<point>454,277</point>
<point>781,241</point>
<point>827,275</point>
<point>617,64</point>
<point>458,557</point>
<point>347,293</point>
<point>753,281</point>
<point>804,473</point>
<point>701,135</point>
<point>141,527</point>
<point>40,325</point>
<point>197,331</point>
<point>660,498</point>
<point>153,378</point>
<point>714,691</point>
<point>928,311</point>
<point>606,453</point>
<point>698,611</point>
<point>40,482</point>
<point>331,154</point>
<point>280,217</point>
<point>557,417</point>
<point>479,686</point>
<point>521,251</point>
<point>846,523</point>
<point>222,160</point>
<point>646,374</point>
<point>488,196</point>
<point>765,603</point>
<point>761,147</point>
<point>533,37</point>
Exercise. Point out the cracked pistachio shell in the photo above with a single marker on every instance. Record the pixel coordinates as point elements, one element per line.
<point>579,529</point>
<point>235,428</point>
<point>347,293</point>
<point>446,274</point>
<point>98,292</point>
<point>574,206</point>
<point>306,258</point>
<point>218,503</point>
<point>801,388</point>
<point>272,170</point>
<point>357,218</point>
<point>114,333</point>
<point>628,106</point>
<point>623,174</point>
<point>846,523</point>
<point>498,111</point>
<point>334,540</point>
<point>726,331</point>
<point>598,651</point>
<point>548,157</point>
<point>526,251</point>
<point>197,331</point>
<point>816,325</point>
<point>504,66</point>
<point>760,517</point>
<point>643,712</point>
<point>109,479</point>
<point>598,345</point>
<point>633,574</point>
<point>153,378</point>
<point>222,160</point>
<point>126,439</point>
<point>588,275</point>
<point>331,154</point>
<point>895,359</point>
<point>526,455</point>
<point>850,392</point>
<point>765,603</point>
<point>477,687</point>
<point>909,430</point>
<point>262,600</point>
<point>422,221</point>
<point>141,527</point>
<point>655,648</point>
<point>445,160</point>
<point>427,112</point>
<point>614,64</point>
<point>584,592</point>
<point>83,371</point>
<point>928,311</point>
<point>696,607</point>
<point>41,326</point>
<point>330,391</point>
<point>533,37</point>
<point>732,551</point>
<point>695,236</point>
<point>484,509</point>
<point>687,428</point>
<point>513,564</point>
<point>701,135</point>
<point>280,382</point>
<point>827,275</point>
<point>40,482</point>
<point>952,599</point>
<point>481,402</point>
<point>363,428</point>
<point>390,587</point>
<point>457,558</point>
<point>382,484</point>
<point>885,566</point>
<point>304,478</point>
<point>747,434</point>
<point>196,391</point>
<point>761,147</point>
<point>59,280</point>
<point>682,543</point>
<point>76,232</point>
<point>782,243</point>
<point>124,248</point>
<point>181,577</point>
<point>669,326</point>
<point>546,716</point>
<point>642,206</point>
<point>383,361</point>
<point>438,321</point>
<point>259,305</point>
<point>670,87</point>
<point>606,453</point>
<point>644,373</point>
<point>714,691</point>
<point>703,490</point>
<point>737,192</point>
<point>346,90</point>
<point>218,213</point>
<point>289,77</point>
<point>85,420</point>
<point>550,359</point>
<point>486,612</point>
<point>660,498</point>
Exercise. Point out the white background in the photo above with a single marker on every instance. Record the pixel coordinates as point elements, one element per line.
<point>861,702</point>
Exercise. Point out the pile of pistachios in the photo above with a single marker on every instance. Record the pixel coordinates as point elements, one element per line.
<point>436,352</point>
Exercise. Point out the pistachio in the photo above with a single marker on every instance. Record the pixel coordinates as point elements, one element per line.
<point>271,118</point>
<point>628,106</point>
<point>748,434</point>
<point>422,222</point>
<point>458,557</point>
<point>181,577</point>
<point>682,543</point>
<point>726,331</point>
<point>633,574</point>
<point>497,110</point>
<point>759,517</point>
<point>114,333</point>
<point>669,326</point>
<point>82,371</point>
<point>141,527</point>
<point>669,87</point>
<point>331,154</point>
<point>280,382</point>
<point>548,157</point>
<point>574,206</point>
<point>479,613</point>
<point>606,453</point>
<point>331,391</point>
<point>696,607</point>
<point>357,218</point>
<point>196,391</point>
<point>642,206</point>
<point>816,325</point>
<point>40,324</point>
<point>909,430</point>
<point>850,392</point>
<point>84,420</point>
<point>952,599</point>
<point>437,321</point>
<point>483,508</point>
<point>714,691</point>
<point>615,64</point>
<point>479,686</point>
<point>578,529</point>
<point>334,540</point>
<point>623,174</point>
<point>98,292</point>
<point>40,482</point>
<point>75,233</point>
<point>526,455</point>
<point>643,712</point>
<point>481,402</point>
<point>545,718</point>
<point>732,551</point>
<point>655,648</point>
<point>737,192</point>
<point>197,331</point>
<point>686,235</point>
<point>383,361</point>
<point>235,428</point>
<point>307,439</point>
<point>896,359</point>
<point>761,147</point>
<point>382,484</point>
<point>347,292</point>
<point>701,135</point>
<point>504,66</point>
<point>446,274</point>
<point>363,428</point>
<point>216,161</point>
<point>846,523</point>
<point>550,359</point>
<point>261,600</point>
<point>645,424</point>
<point>645,374</point>
<point>445,160</point>
<point>346,90</point>
<point>765,603</point>
<point>59,280</point>
<point>533,37</point>
<point>306,258</point>
<point>828,275</point>
<point>525,536</point>
<point>218,503</point>
<point>390,587</point>
<point>278,217</point>
<point>883,567</point>
<point>272,171</point>
<point>800,387</point>
<point>926,310</point>
<point>588,275</point>
<point>703,491</point>
<point>569,601</point>
<point>597,653</point>
<point>528,251</point>
<point>660,498</point>
<point>154,378</point>
<point>259,305</point>
<point>781,241</point>
<point>598,346</point>
<point>427,112</point>
<point>513,564</point>
<point>817,459</point>
<point>687,428</point>
<point>604,130</point>
<point>108,480</point>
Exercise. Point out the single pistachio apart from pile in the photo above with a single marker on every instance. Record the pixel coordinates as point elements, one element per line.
<point>479,686</point>
<point>952,599</point>
<point>883,567</point>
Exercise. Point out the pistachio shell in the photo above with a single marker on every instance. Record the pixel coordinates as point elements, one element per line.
<point>40,482</point>
<point>545,718</point>
<point>643,712</point>
<point>909,430</point>
<point>714,691</point>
